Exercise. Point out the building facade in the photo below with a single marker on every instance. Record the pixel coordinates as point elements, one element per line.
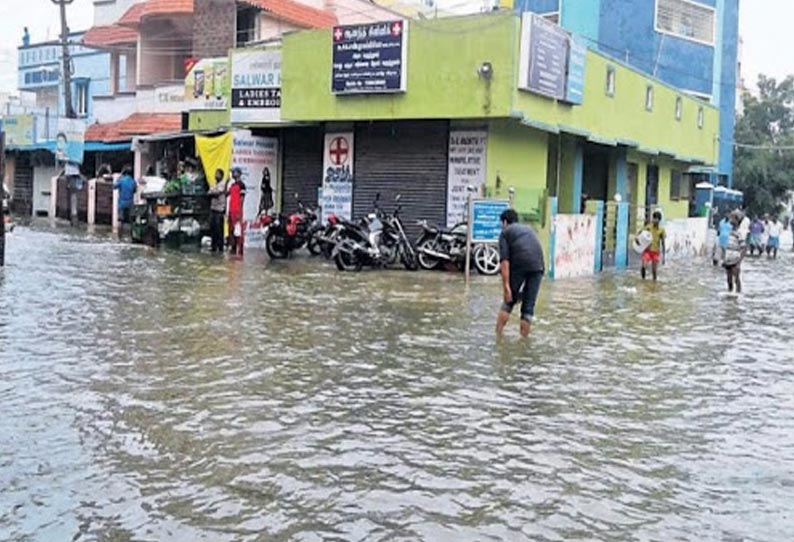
<point>689,44</point>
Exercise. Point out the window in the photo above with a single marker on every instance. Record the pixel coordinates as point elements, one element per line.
<point>246,25</point>
<point>701,115</point>
<point>81,98</point>
<point>610,89</point>
<point>686,19</point>
<point>679,108</point>
<point>649,98</point>
<point>675,185</point>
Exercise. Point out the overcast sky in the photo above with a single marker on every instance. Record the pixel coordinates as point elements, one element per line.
<point>765,27</point>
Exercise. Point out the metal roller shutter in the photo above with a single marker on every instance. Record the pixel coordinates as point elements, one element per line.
<point>303,166</point>
<point>23,187</point>
<point>406,158</point>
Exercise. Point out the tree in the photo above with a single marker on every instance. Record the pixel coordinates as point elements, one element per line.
<point>763,166</point>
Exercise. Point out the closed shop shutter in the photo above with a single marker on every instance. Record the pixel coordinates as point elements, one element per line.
<point>62,202</point>
<point>406,158</point>
<point>23,187</point>
<point>302,171</point>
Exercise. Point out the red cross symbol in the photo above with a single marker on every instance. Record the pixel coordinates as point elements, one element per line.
<point>396,29</point>
<point>338,34</point>
<point>338,150</point>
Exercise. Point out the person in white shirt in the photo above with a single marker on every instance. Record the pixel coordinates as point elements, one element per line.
<point>773,244</point>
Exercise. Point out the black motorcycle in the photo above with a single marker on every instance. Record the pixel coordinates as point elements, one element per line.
<point>378,241</point>
<point>437,246</point>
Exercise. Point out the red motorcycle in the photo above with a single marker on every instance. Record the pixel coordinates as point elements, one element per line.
<point>287,234</point>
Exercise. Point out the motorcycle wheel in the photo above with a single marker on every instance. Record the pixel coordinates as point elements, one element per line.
<point>347,262</point>
<point>276,246</point>
<point>410,261</point>
<point>327,247</point>
<point>314,246</point>
<point>426,261</point>
<point>486,259</point>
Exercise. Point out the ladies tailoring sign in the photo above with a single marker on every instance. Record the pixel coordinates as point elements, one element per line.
<point>256,86</point>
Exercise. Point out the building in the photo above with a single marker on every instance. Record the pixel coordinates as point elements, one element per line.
<point>689,44</point>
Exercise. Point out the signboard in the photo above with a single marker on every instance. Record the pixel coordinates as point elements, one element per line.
<point>207,83</point>
<point>370,58</point>
<point>485,219</point>
<point>70,141</point>
<point>544,56</point>
<point>19,130</point>
<point>256,86</point>
<point>337,192</point>
<point>466,167</point>
<point>257,157</point>
<point>577,59</point>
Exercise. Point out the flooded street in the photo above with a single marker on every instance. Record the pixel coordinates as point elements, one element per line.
<point>157,396</point>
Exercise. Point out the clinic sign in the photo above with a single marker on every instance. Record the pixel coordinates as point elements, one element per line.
<point>369,58</point>
<point>486,224</point>
<point>256,86</point>
<point>551,62</point>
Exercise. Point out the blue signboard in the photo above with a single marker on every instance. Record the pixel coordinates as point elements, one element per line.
<point>577,59</point>
<point>485,214</point>
<point>369,58</point>
<point>544,56</point>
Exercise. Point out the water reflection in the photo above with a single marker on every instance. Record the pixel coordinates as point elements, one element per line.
<point>160,396</point>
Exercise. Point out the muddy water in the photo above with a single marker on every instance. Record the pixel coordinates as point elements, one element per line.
<point>168,397</point>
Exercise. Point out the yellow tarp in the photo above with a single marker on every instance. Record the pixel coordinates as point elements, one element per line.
<point>215,153</point>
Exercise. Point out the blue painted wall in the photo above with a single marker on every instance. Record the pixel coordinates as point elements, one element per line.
<point>727,103</point>
<point>538,6</point>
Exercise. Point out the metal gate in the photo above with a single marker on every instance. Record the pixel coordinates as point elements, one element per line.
<point>406,158</point>
<point>23,187</point>
<point>302,172</point>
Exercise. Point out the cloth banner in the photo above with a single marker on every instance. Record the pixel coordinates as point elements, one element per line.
<point>215,153</point>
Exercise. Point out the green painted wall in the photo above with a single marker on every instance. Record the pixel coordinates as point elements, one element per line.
<point>208,120</point>
<point>517,155</point>
<point>565,202</point>
<point>443,58</point>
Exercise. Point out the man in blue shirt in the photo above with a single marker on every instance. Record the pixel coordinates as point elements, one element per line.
<point>126,186</point>
<point>724,229</point>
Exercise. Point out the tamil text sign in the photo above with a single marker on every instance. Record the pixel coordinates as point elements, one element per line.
<point>337,193</point>
<point>466,168</point>
<point>256,86</point>
<point>369,58</point>
<point>486,224</point>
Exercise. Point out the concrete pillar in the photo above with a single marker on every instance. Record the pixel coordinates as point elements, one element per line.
<point>553,209</point>
<point>53,211</point>
<point>91,207</point>
<point>621,172</point>
<point>599,240</point>
<point>622,236</point>
<point>578,179</point>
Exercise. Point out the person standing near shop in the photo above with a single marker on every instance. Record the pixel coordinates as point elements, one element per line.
<point>522,271</point>
<point>218,210</point>
<point>236,203</point>
<point>127,187</point>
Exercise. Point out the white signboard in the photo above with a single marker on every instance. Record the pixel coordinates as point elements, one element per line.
<point>256,86</point>
<point>258,158</point>
<point>337,194</point>
<point>467,150</point>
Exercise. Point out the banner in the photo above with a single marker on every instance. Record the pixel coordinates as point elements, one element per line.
<point>70,141</point>
<point>19,130</point>
<point>256,86</point>
<point>215,153</point>
<point>686,237</point>
<point>207,83</point>
<point>574,245</point>
<point>466,168</point>
<point>257,157</point>
<point>337,194</point>
<point>369,58</point>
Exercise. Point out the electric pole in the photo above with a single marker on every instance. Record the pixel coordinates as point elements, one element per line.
<point>67,63</point>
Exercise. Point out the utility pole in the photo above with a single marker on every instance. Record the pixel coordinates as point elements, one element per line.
<point>66,70</point>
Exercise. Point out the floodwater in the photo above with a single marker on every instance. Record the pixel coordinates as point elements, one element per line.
<point>157,396</point>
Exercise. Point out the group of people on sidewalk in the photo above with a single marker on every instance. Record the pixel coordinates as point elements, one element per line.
<point>228,197</point>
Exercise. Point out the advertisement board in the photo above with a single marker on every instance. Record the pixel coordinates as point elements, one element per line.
<point>70,140</point>
<point>370,58</point>
<point>257,157</point>
<point>207,83</point>
<point>256,86</point>
<point>485,219</point>
<point>19,130</point>
<point>337,191</point>
<point>544,56</point>
<point>466,167</point>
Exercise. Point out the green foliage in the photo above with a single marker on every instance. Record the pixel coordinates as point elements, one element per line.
<point>766,175</point>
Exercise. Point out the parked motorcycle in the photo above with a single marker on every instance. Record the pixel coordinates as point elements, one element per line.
<point>379,241</point>
<point>327,236</point>
<point>287,234</point>
<point>436,246</point>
